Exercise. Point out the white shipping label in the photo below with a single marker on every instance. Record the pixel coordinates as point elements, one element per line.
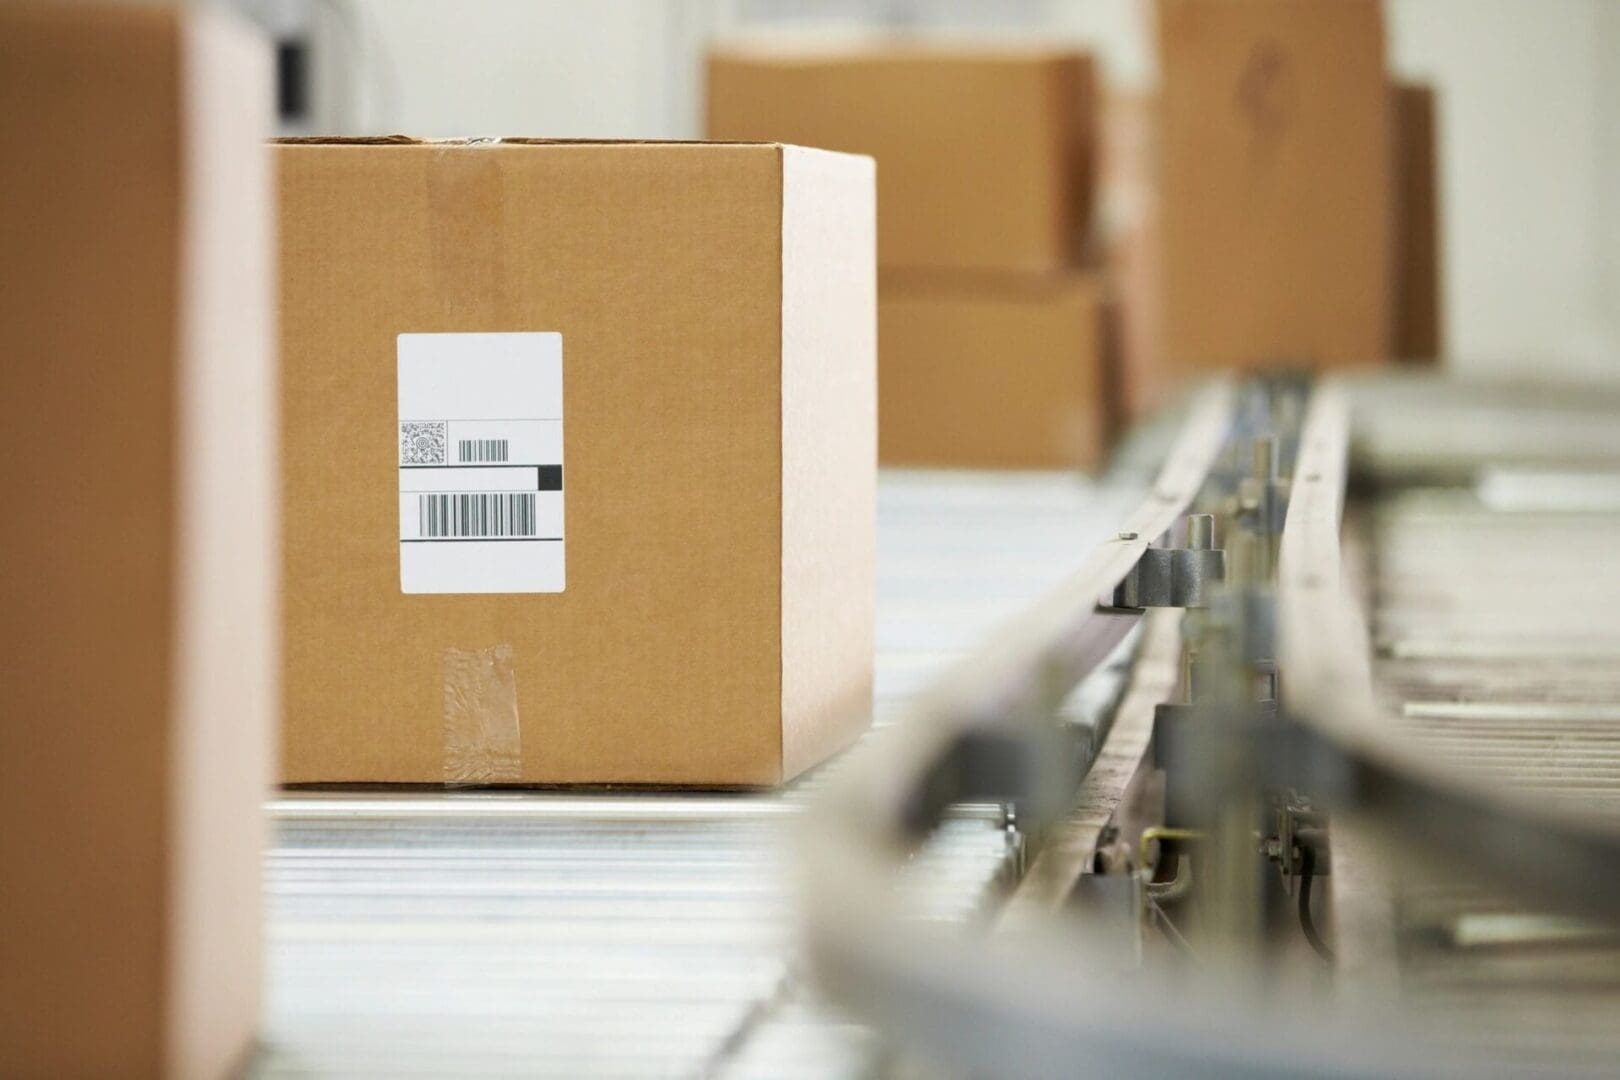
<point>480,463</point>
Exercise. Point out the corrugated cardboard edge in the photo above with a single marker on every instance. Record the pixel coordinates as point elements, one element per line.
<point>829,450</point>
<point>225,700</point>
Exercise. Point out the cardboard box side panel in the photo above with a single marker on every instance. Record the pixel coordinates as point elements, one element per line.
<point>1128,236</point>
<point>1074,160</point>
<point>1419,310</point>
<point>991,378</point>
<point>342,224</point>
<point>87,329</point>
<point>226,620</point>
<point>972,152</point>
<point>660,267</point>
<point>829,452</point>
<point>1276,217</point>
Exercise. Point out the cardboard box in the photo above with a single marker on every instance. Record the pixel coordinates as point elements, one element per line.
<point>1275,200</point>
<point>684,596</point>
<point>1127,237</point>
<point>1000,373</point>
<point>983,151</point>
<point>139,623</point>
<point>1419,310</point>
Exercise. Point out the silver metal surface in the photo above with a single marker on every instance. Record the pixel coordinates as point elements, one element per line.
<point>1478,711</point>
<point>1042,1003</point>
<point>1069,849</point>
<point>1176,577</point>
<point>1487,569</point>
<point>578,935</point>
<point>1356,760</point>
<point>1038,1002</point>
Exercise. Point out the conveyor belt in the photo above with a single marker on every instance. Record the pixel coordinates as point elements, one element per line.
<point>639,935</point>
<point>1500,641</point>
<point>1499,625</point>
<point>1496,623</point>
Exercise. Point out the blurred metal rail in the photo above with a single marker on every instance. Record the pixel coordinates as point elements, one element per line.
<point>1357,759</point>
<point>1494,615</point>
<point>1045,1000</point>
<point>1042,1000</point>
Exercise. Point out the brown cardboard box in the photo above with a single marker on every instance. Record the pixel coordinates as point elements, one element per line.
<point>1418,306</point>
<point>1127,237</point>
<point>1000,373</point>
<point>1275,218</point>
<point>983,151</point>
<point>713,490</point>
<point>138,685</point>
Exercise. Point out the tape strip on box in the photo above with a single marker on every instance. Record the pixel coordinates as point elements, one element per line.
<point>482,740</point>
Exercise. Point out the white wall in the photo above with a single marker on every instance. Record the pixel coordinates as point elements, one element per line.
<point>1519,151</point>
<point>508,67</point>
<point>1529,100</point>
<point>1529,155</point>
<point>1606,191</point>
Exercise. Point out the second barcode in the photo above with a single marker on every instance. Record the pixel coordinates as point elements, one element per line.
<point>476,515</point>
<point>481,450</point>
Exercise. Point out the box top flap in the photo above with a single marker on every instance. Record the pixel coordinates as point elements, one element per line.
<point>499,140</point>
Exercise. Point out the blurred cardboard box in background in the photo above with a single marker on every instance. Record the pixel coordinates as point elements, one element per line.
<point>579,460</point>
<point>983,151</point>
<point>1128,209</point>
<point>1004,373</point>
<point>1419,307</point>
<point>989,349</point>
<point>1273,174</point>
<point>1127,237</point>
<point>137,397</point>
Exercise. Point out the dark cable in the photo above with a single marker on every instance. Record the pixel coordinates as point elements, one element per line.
<point>1307,873</point>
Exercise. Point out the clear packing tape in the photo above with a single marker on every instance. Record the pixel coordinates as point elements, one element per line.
<point>482,741</point>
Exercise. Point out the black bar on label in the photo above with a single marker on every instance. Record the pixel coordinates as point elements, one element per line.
<point>550,477</point>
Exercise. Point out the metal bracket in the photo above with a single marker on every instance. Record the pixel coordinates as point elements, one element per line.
<point>1186,737</point>
<point>1176,577</point>
<point>1262,496</point>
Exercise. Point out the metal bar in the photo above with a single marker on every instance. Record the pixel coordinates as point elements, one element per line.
<point>1068,852</point>
<point>1033,662</point>
<point>1041,1001</point>
<point>1028,1005</point>
<point>1563,859</point>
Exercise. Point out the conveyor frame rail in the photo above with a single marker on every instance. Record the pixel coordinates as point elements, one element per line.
<point>1024,1005</point>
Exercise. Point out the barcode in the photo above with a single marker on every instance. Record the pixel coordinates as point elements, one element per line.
<point>481,450</point>
<point>476,515</point>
